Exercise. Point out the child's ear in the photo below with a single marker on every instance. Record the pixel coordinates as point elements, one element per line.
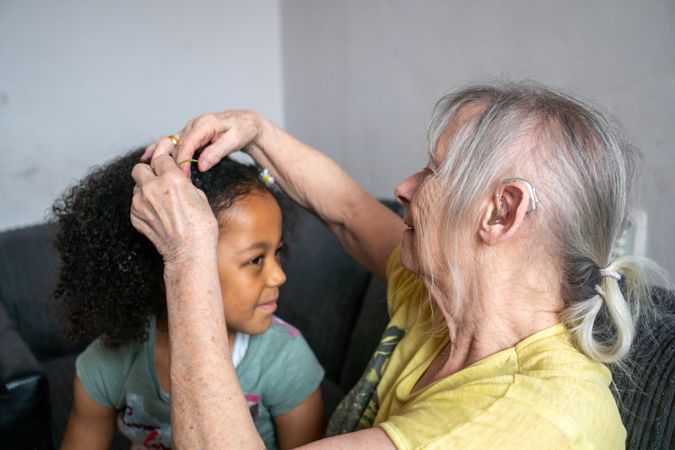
<point>505,211</point>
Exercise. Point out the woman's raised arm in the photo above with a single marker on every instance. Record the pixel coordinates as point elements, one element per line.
<point>367,229</point>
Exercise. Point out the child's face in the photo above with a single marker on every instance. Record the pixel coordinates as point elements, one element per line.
<point>248,262</point>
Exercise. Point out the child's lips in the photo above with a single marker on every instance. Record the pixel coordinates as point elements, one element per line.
<point>269,306</point>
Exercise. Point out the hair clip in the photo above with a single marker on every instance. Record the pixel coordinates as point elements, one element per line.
<point>267,178</point>
<point>530,190</point>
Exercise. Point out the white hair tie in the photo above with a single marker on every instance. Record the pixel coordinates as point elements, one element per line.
<point>607,272</point>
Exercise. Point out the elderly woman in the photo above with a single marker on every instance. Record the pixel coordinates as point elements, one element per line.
<point>504,303</point>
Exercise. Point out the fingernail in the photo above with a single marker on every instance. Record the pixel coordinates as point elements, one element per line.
<point>205,164</point>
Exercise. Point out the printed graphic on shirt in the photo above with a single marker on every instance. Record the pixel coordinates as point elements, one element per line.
<point>359,408</point>
<point>253,402</point>
<point>139,426</point>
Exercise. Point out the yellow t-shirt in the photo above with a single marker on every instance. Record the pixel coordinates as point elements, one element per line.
<point>541,394</point>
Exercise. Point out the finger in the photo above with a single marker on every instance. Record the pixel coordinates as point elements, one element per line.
<point>164,147</point>
<point>179,152</point>
<point>201,131</point>
<point>149,150</point>
<point>238,130</point>
<point>142,173</point>
<point>163,164</point>
<point>221,147</point>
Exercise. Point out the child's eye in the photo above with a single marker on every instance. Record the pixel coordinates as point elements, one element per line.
<point>256,261</point>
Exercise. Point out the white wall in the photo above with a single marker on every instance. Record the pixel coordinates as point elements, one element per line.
<point>361,77</point>
<point>83,81</point>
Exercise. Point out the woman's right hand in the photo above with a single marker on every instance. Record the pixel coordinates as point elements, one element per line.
<point>170,211</point>
<point>221,133</point>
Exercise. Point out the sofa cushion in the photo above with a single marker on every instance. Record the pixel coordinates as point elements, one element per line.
<point>28,273</point>
<point>24,415</point>
<point>323,292</point>
<point>372,320</point>
<point>61,373</point>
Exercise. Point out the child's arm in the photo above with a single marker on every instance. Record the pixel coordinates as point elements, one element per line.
<point>303,424</point>
<point>90,426</point>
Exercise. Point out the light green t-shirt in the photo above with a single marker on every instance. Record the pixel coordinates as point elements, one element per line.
<point>277,373</point>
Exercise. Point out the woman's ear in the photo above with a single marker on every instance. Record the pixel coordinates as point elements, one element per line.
<point>504,212</point>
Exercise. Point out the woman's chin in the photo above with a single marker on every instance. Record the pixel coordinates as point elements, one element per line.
<point>408,257</point>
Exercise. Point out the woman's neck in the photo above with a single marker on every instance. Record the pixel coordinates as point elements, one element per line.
<point>499,317</point>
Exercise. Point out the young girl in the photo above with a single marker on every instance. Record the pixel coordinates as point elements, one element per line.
<point>111,285</point>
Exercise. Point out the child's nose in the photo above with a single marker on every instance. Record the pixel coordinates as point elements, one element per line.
<point>277,276</point>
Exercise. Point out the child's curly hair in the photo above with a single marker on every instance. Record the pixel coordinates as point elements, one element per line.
<point>111,279</point>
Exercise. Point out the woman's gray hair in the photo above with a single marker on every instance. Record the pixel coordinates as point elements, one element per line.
<point>582,169</point>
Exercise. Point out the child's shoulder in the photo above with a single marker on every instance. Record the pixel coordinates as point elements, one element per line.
<point>282,349</point>
<point>280,329</point>
<point>103,371</point>
<point>97,354</point>
<point>280,341</point>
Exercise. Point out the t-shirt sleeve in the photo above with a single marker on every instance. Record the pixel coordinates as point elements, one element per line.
<point>476,418</point>
<point>295,373</point>
<point>426,428</point>
<point>100,371</point>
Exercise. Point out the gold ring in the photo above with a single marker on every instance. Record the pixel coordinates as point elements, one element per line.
<point>173,138</point>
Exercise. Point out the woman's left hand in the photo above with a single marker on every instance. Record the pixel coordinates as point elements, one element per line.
<point>219,134</point>
<point>170,211</point>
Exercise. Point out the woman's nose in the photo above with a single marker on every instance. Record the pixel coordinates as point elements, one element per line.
<point>405,191</point>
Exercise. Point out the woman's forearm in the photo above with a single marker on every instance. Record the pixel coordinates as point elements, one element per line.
<point>311,178</point>
<point>366,228</point>
<point>208,409</point>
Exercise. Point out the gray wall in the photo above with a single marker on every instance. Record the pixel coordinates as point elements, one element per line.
<point>360,77</point>
<point>82,81</point>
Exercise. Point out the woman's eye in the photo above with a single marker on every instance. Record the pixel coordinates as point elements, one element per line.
<point>426,173</point>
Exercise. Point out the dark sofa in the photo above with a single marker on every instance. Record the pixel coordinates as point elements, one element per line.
<point>339,307</point>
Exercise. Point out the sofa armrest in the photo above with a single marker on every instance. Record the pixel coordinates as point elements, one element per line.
<point>24,392</point>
